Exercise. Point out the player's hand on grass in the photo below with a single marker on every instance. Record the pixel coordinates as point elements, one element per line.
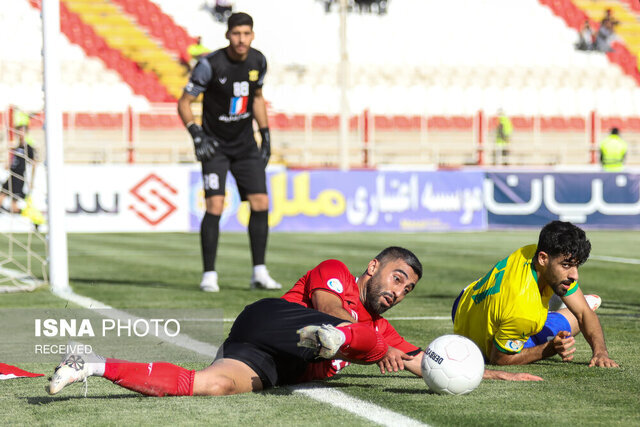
<point>603,360</point>
<point>523,376</point>
<point>563,344</point>
<point>205,146</point>
<point>492,374</point>
<point>393,361</point>
<point>265,145</point>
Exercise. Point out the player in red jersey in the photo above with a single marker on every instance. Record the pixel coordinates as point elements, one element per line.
<point>329,310</point>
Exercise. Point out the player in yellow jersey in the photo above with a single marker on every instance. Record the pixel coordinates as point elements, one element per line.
<point>506,312</point>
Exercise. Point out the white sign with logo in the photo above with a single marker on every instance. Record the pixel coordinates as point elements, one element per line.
<point>114,198</point>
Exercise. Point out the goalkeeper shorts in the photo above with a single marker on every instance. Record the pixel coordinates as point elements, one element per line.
<point>245,164</point>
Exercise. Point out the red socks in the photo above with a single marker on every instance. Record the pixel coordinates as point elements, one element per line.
<point>152,379</point>
<point>362,343</point>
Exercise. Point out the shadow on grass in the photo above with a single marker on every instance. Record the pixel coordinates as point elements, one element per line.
<point>127,282</point>
<point>410,391</point>
<point>628,309</point>
<point>45,400</point>
<point>404,377</point>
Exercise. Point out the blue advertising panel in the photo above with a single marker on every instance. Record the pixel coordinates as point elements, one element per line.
<point>607,200</point>
<point>318,200</point>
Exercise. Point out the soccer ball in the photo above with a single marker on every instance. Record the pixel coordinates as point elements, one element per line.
<point>452,364</point>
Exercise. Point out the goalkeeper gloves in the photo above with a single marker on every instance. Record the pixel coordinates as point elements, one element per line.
<point>205,146</point>
<point>265,147</point>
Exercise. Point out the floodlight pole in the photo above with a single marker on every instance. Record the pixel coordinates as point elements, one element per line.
<point>344,87</point>
<point>57,237</point>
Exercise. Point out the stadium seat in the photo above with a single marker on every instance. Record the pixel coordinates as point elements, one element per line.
<point>522,123</point>
<point>607,123</point>
<point>576,124</point>
<point>553,124</point>
<point>632,124</point>
<point>324,122</point>
<point>406,123</point>
<point>439,122</point>
<point>462,123</point>
<point>382,123</point>
<point>106,120</point>
<point>86,120</point>
<point>279,121</point>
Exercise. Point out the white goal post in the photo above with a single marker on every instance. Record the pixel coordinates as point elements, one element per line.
<point>57,237</point>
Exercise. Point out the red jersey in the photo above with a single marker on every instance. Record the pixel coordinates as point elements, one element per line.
<point>333,276</point>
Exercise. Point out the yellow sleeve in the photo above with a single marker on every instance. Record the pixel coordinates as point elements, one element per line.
<point>512,334</point>
<point>572,289</point>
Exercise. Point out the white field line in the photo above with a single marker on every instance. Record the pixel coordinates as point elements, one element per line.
<point>107,311</point>
<point>615,259</point>
<point>358,407</point>
<point>366,410</point>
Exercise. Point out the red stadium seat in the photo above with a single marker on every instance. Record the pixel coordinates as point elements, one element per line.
<point>382,123</point>
<point>492,122</point>
<point>462,123</point>
<point>632,124</point>
<point>282,121</point>
<point>439,122</point>
<point>401,122</point>
<point>279,121</point>
<point>353,123</point>
<point>576,124</point>
<point>297,122</point>
<point>606,123</point>
<point>107,120</point>
<point>86,120</point>
<point>323,122</point>
<point>553,124</point>
<point>406,123</point>
<point>522,123</point>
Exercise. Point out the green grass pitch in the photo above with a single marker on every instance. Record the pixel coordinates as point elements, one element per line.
<point>130,271</point>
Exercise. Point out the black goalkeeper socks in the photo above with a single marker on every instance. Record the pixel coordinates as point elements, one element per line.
<point>258,232</point>
<point>209,232</point>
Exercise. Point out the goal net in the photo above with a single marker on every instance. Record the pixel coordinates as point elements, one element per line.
<point>23,246</point>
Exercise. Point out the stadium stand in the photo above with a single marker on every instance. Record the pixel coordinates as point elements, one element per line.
<point>86,80</point>
<point>426,89</point>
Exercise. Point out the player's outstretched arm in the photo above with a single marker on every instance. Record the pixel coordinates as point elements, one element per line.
<point>591,329</point>
<point>414,365</point>
<point>492,374</point>
<point>397,360</point>
<point>529,355</point>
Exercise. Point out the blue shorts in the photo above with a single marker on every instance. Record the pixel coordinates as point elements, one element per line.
<point>555,323</point>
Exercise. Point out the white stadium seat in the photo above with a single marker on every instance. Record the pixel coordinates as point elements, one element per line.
<point>480,54</point>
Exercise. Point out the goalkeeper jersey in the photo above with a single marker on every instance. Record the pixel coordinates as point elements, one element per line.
<point>229,89</point>
<point>505,307</point>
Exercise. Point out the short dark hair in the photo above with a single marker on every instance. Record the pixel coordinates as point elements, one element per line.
<point>615,131</point>
<point>239,18</point>
<point>396,252</point>
<point>564,238</point>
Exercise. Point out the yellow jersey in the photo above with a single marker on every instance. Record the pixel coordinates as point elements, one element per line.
<point>505,307</point>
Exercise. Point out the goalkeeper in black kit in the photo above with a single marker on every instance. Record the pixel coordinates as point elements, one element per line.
<point>231,80</point>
